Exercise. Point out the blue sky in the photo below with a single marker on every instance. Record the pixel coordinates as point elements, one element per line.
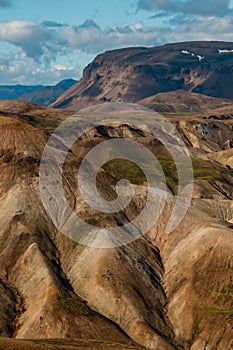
<point>42,42</point>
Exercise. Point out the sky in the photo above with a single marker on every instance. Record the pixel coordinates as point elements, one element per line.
<point>45,41</point>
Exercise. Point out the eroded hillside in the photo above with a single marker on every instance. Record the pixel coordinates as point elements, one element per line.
<point>161,291</point>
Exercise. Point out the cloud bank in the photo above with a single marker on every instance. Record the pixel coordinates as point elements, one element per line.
<point>41,51</point>
<point>42,42</point>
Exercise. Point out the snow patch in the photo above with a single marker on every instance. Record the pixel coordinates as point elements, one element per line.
<point>225,51</point>
<point>200,58</point>
<point>185,52</point>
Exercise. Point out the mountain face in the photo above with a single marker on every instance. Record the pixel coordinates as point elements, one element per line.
<point>42,95</point>
<point>167,292</point>
<point>133,74</point>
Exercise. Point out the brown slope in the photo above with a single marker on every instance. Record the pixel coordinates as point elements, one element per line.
<point>9,309</point>
<point>221,113</point>
<point>199,247</point>
<point>165,291</point>
<point>9,344</point>
<point>42,117</point>
<point>40,301</point>
<point>132,74</point>
<point>183,101</point>
<point>129,283</point>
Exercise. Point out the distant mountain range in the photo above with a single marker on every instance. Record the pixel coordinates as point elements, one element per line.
<point>133,74</point>
<point>180,77</point>
<point>42,95</point>
<point>169,78</point>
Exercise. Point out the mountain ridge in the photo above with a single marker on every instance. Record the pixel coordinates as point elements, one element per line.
<point>132,74</point>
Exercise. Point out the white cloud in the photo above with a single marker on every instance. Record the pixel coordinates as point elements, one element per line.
<point>29,36</point>
<point>63,68</point>
<point>91,38</point>
<point>44,44</point>
<point>27,71</point>
<point>52,52</point>
<point>201,28</point>
<point>136,26</point>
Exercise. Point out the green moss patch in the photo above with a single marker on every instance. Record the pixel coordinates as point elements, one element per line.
<point>225,294</point>
<point>203,170</point>
<point>73,306</point>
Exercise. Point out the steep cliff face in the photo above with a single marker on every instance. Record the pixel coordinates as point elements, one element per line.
<point>132,74</point>
<point>162,291</point>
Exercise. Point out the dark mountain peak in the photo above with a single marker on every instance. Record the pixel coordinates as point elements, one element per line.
<point>132,74</point>
<point>66,83</point>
